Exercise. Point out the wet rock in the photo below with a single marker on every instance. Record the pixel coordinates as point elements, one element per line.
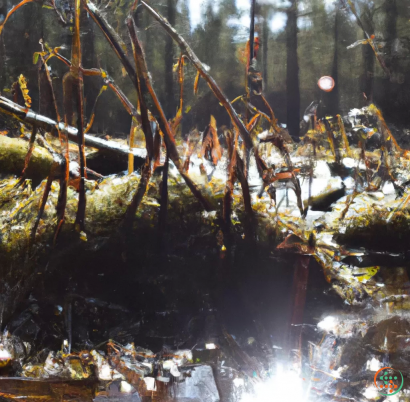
<point>200,387</point>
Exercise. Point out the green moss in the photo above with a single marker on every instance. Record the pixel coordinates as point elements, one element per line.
<point>13,153</point>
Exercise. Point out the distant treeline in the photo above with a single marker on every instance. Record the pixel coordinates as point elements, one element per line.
<point>312,43</point>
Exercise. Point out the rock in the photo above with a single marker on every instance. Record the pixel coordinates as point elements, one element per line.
<point>200,387</point>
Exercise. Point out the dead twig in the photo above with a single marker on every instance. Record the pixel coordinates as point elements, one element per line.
<point>12,11</point>
<point>62,196</point>
<point>43,202</point>
<point>141,89</point>
<point>146,125</point>
<point>29,152</point>
<point>138,196</point>
<point>186,49</point>
<point>370,40</point>
<point>114,41</point>
<point>160,115</point>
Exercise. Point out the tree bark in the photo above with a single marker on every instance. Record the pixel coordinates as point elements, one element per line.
<point>368,74</point>
<point>169,62</point>
<point>265,32</point>
<point>391,19</point>
<point>292,72</point>
<point>334,95</point>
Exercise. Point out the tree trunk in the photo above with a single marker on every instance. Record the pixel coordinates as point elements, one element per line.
<point>368,74</point>
<point>292,72</point>
<point>170,108</point>
<point>334,95</point>
<point>391,33</point>
<point>368,58</point>
<point>265,49</point>
<point>4,69</point>
<point>391,19</point>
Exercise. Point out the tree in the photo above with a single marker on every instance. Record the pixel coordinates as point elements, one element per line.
<point>292,71</point>
<point>265,44</point>
<point>170,106</point>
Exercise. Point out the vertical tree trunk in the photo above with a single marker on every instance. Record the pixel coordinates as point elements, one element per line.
<point>368,74</point>
<point>391,32</point>
<point>292,72</point>
<point>391,19</point>
<point>4,7</point>
<point>334,95</point>
<point>88,61</point>
<point>252,32</point>
<point>368,57</point>
<point>170,107</point>
<point>265,40</point>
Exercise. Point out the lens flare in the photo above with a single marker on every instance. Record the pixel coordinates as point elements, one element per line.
<point>285,386</point>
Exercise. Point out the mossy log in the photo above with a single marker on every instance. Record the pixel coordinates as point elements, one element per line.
<point>21,260</point>
<point>13,152</point>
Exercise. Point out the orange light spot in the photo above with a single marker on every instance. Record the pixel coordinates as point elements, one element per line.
<point>326,83</point>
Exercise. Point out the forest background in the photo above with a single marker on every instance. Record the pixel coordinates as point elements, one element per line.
<point>300,41</point>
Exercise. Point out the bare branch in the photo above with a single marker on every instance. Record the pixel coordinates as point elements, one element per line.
<point>199,66</point>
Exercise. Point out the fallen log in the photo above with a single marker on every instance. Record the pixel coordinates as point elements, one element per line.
<point>12,157</point>
<point>29,117</point>
<point>47,390</point>
<point>13,152</point>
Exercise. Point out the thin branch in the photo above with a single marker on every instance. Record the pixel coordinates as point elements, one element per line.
<point>113,39</point>
<point>369,38</point>
<point>160,115</point>
<point>138,196</point>
<point>92,116</point>
<point>14,9</point>
<point>146,126</point>
<point>30,151</point>
<point>232,142</point>
<point>59,15</point>
<point>240,173</point>
<point>141,89</point>
<point>43,202</point>
<point>199,66</point>
<point>94,72</point>
<point>79,86</point>
<point>62,196</point>
<point>252,33</point>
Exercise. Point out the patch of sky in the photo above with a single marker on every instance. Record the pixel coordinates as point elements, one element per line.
<point>241,22</point>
